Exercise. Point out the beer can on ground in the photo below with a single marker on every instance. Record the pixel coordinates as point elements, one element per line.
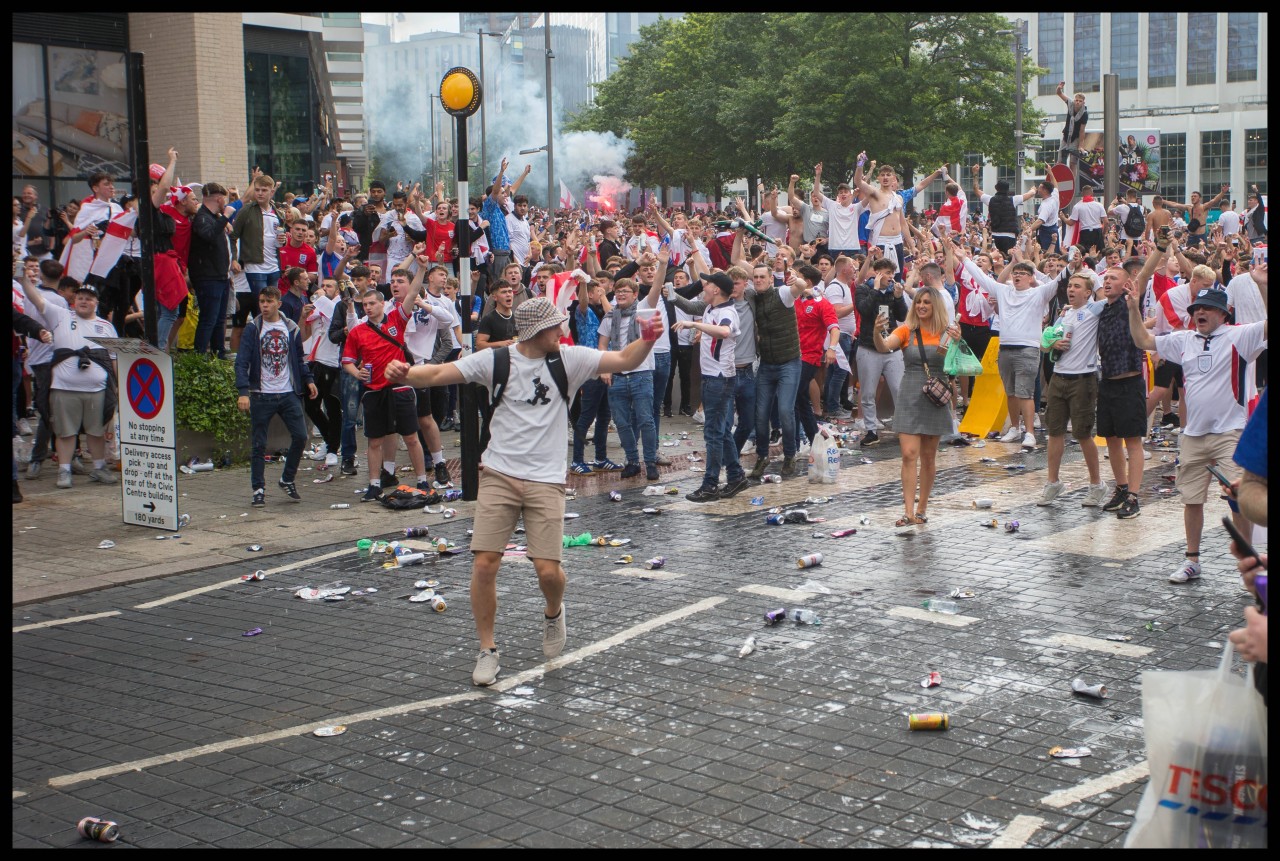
<point>615,496</point>
<point>929,720</point>
<point>438,604</point>
<point>983,503</point>
<point>774,519</point>
<point>102,830</point>
<point>417,531</point>
<point>773,617</point>
<point>809,560</point>
<point>655,562</point>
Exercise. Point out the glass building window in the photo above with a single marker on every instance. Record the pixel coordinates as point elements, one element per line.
<point>1049,51</point>
<point>1215,162</point>
<point>1173,158</point>
<point>1255,160</point>
<point>278,103</point>
<point>1242,46</point>
<point>1124,48</point>
<point>1162,49</point>
<point>1087,77</point>
<point>1202,47</point>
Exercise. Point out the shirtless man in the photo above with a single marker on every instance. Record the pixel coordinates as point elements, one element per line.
<point>887,222</point>
<point>1197,210</point>
<point>1160,217</point>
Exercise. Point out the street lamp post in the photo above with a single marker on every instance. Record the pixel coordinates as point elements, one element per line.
<point>484,163</point>
<point>551,164</point>
<point>1020,152</point>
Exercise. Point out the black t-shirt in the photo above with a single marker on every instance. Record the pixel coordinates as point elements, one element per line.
<point>497,327</point>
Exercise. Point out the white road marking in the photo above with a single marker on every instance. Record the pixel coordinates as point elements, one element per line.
<point>791,596</point>
<point>225,583</point>
<point>54,622</point>
<point>923,615</point>
<point>389,711</point>
<point>1096,786</point>
<point>1017,833</point>
<point>645,572</point>
<point>1094,644</point>
<point>17,793</point>
<point>1114,539</point>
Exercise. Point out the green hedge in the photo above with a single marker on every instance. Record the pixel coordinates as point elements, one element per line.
<point>205,397</point>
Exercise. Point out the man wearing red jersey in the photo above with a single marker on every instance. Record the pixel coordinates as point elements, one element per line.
<point>296,252</point>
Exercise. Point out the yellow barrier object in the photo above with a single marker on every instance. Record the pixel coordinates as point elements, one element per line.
<point>989,406</point>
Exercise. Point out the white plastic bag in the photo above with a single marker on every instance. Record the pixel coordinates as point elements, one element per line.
<point>824,457</point>
<point>1206,736</point>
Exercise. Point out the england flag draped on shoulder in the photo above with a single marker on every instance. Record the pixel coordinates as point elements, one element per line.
<point>77,259</point>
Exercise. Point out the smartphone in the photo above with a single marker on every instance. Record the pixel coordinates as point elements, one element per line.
<point>1245,547</point>
<point>1219,474</point>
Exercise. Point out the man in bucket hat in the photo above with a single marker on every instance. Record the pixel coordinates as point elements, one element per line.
<point>1218,386</point>
<point>524,467</point>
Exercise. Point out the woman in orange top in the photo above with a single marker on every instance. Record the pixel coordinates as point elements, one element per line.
<point>919,422</point>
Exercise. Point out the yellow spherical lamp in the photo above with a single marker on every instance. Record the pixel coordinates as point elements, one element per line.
<point>460,92</point>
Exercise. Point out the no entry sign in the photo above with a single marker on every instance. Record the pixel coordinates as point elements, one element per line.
<point>1064,179</point>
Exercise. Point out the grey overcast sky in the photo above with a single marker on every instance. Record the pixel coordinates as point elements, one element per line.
<point>416,22</point>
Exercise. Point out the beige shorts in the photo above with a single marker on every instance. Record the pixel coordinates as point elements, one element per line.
<point>72,410</point>
<point>1194,454</point>
<point>499,504</point>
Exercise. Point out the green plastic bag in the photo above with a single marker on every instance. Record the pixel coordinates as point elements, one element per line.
<point>1051,334</point>
<point>960,361</point>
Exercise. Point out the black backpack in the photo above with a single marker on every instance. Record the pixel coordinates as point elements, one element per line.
<point>1135,223</point>
<point>502,373</point>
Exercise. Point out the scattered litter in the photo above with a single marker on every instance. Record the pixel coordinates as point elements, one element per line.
<point>655,562</point>
<point>932,680</point>
<point>771,478</point>
<point>695,469</point>
<point>371,590</point>
<point>961,593</point>
<point>983,503</point>
<point>773,617</point>
<point>1080,686</point>
<point>246,514</point>
<point>813,585</point>
<point>308,593</point>
<point>102,830</point>
<point>804,616</point>
<point>940,605</point>
<point>328,731</point>
<point>978,824</point>
<point>1012,526</point>
<point>812,560</point>
<point>334,598</point>
<point>254,547</point>
<point>757,500</point>
<point>654,490</point>
<point>987,460</point>
<point>865,460</point>
<point>817,500</point>
<point>106,544</point>
<point>844,533</point>
<point>864,520</point>
<point>434,509</point>
<point>253,632</point>
<point>978,444</point>
<point>1151,626</point>
<point>615,496</point>
<point>570,493</point>
<point>929,721</point>
<point>1060,752</point>
<point>669,445</point>
<point>323,480</point>
<point>222,517</point>
<point>453,495</point>
<point>450,513</point>
<point>1119,638</point>
<point>423,596</point>
<point>183,519</point>
<point>651,510</point>
<point>693,458</point>
<point>748,647</point>
<point>256,575</point>
<point>569,515</point>
<point>163,537</point>
<point>1014,466</point>
<point>624,559</point>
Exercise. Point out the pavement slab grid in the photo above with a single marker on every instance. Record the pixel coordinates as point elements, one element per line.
<point>649,730</point>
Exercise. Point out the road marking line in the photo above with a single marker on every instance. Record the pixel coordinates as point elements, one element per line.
<point>1096,786</point>
<point>922,615</point>
<point>53,622</point>
<point>18,793</point>
<point>224,584</point>
<point>645,572</point>
<point>389,711</point>
<point>1094,644</point>
<point>789,595</point>
<point>1017,833</point>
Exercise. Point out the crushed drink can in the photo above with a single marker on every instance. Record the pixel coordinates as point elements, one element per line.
<point>450,513</point>
<point>929,721</point>
<point>452,495</point>
<point>651,510</point>
<point>1012,526</point>
<point>817,500</point>
<point>843,533</point>
<point>409,559</point>
<point>773,617</point>
<point>771,478</point>
<point>417,531</point>
<point>931,681</point>
<point>441,544</point>
<point>775,519</point>
<point>991,524</point>
<point>983,503</point>
<point>757,500</point>
<point>864,520</point>
<point>1080,686</point>
<point>340,505</point>
<point>809,560</point>
<point>256,575</point>
<point>796,515</point>
<point>625,559</point>
<point>615,496</point>
<point>655,562</point>
<point>102,830</point>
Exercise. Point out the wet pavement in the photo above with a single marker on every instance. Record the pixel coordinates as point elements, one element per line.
<point>144,703</point>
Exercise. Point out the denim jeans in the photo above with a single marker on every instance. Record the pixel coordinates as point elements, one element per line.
<point>631,402</point>
<point>804,404</point>
<point>352,390</point>
<point>594,408</point>
<point>165,318</point>
<point>717,405</point>
<point>836,377</point>
<point>744,403</point>
<point>261,408</point>
<point>212,328</point>
<point>258,280</point>
<point>777,384</point>
<point>661,373</point>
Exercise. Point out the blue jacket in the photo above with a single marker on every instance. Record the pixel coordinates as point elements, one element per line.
<point>249,362</point>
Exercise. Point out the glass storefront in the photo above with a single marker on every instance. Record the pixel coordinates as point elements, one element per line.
<point>279,103</point>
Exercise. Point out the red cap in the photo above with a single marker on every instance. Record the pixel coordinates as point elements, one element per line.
<point>157,171</point>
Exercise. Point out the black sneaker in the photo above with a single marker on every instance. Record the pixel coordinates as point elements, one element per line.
<point>1117,499</point>
<point>388,480</point>
<point>631,470</point>
<point>349,466</point>
<point>259,498</point>
<point>774,436</point>
<point>757,471</point>
<point>371,494</point>
<point>1170,421</point>
<point>733,488</point>
<point>960,442</point>
<point>703,494</point>
<point>446,424</point>
<point>442,476</point>
<point>788,466</point>
<point>1130,509</point>
<point>290,491</point>
<point>651,472</point>
<point>870,438</point>
<point>686,411</point>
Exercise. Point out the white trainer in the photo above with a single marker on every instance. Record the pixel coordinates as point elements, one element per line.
<point>1189,571</point>
<point>1029,441</point>
<point>1050,493</point>
<point>1013,434</point>
<point>1094,496</point>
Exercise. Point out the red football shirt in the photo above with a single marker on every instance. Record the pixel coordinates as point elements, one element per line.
<point>366,347</point>
<point>181,234</point>
<point>814,317</point>
<point>440,234</point>
<point>304,257</point>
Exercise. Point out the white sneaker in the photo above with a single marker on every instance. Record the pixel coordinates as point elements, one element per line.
<point>24,427</point>
<point>1189,571</point>
<point>1029,441</point>
<point>1013,434</point>
<point>1036,420</point>
<point>330,460</point>
<point>700,417</point>
<point>553,634</point>
<point>1094,496</point>
<point>860,426</point>
<point>486,671</point>
<point>1050,493</point>
<point>1146,455</point>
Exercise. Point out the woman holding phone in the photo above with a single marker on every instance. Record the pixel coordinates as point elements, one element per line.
<point>919,422</point>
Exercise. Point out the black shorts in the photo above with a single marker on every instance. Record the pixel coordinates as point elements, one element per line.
<point>246,305</point>
<point>429,399</point>
<point>1091,238</point>
<point>977,337</point>
<point>1122,408</point>
<point>390,411</point>
<point>1004,243</point>
<point>1168,376</point>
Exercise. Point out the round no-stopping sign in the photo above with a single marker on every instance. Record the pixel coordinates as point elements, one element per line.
<point>145,389</point>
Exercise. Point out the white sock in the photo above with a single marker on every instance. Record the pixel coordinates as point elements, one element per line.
<point>375,482</point>
<point>389,466</point>
<point>437,456</point>
<point>99,464</point>
<point>421,479</point>
<point>64,467</point>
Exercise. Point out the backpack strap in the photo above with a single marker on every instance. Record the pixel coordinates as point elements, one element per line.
<point>501,373</point>
<point>555,364</point>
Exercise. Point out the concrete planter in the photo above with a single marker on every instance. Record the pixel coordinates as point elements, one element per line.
<point>203,445</point>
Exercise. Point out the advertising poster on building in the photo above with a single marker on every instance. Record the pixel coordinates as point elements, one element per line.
<point>1139,161</point>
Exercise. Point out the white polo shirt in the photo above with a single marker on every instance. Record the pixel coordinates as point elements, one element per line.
<point>1216,373</point>
<point>716,356</point>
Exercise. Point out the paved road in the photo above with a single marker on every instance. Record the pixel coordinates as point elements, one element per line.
<point>649,730</point>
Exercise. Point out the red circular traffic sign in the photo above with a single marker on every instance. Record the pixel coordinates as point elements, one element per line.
<point>145,389</point>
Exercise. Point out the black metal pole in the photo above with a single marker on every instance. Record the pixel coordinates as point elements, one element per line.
<point>142,188</point>
<point>469,395</point>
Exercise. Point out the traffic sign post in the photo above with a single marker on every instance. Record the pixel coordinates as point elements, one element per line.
<point>148,440</point>
<point>1065,182</point>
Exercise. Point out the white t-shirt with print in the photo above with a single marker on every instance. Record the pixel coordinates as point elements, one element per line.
<point>606,329</point>
<point>1082,356</point>
<point>72,331</point>
<point>273,354</point>
<point>530,435</point>
<point>38,352</point>
<point>270,246</point>
<point>716,355</point>
<point>1219,381</point>
<point>839,294</point>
